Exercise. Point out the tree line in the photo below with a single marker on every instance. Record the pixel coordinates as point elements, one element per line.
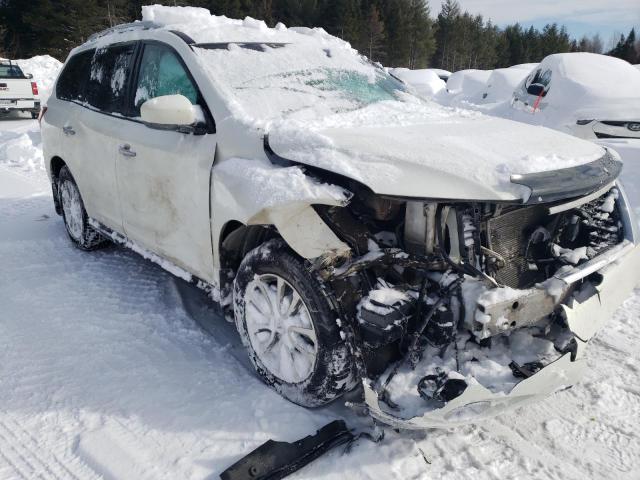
<point>397,33</point>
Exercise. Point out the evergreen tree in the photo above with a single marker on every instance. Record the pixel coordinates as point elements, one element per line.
<point>399,33</point>
<point>626,49</point>
<point>375,35</point>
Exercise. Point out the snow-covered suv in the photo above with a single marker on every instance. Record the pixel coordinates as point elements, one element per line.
<point>449,264</point>
<point>18,92</point>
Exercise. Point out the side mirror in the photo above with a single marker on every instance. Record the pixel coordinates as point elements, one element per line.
<point>168,110</point>
<point>536,89</point>
<point>29,76</point>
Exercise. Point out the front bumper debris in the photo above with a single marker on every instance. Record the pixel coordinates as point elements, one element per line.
<point>275,460</point>
<point>586,306</point>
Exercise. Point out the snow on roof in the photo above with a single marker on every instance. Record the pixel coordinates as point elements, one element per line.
<point>204,27</point>
<point>598,76</point>
<point>525,66</point>
<point>440,72</point>
<point>313,76</point>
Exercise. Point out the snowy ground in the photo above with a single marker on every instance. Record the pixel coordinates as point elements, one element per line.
<point>110,368</point>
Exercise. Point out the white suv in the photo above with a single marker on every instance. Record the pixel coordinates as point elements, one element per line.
<point>449,264</point>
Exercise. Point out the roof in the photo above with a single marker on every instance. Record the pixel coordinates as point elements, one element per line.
<point>125,27</point>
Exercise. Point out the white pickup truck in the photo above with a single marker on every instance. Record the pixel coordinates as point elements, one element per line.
<point>17,90</point>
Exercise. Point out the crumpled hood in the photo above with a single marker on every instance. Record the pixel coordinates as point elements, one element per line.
<point>463,157</point>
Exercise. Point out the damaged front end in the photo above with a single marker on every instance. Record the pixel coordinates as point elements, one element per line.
<point>455,311</point>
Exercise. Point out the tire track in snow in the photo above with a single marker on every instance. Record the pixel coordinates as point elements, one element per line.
<point>44,460</point>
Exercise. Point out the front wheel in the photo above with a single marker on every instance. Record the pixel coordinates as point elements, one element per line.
<point>288,327</point>
<point>75,217</point>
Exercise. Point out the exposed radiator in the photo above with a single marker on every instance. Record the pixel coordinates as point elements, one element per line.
<point>508,235</point>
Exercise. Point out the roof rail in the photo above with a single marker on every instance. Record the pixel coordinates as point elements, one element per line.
<point>125,27</point>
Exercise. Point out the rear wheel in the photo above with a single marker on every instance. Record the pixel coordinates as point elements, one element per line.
<point>34,115</point>
<point>288,327</point>
<point>76,221</point>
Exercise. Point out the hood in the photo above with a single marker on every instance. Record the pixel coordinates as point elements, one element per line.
<point>463,158</point>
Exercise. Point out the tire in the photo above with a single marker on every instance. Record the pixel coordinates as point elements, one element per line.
<point>307,380</point>
<point>76,221</point>
<point>34,115</point>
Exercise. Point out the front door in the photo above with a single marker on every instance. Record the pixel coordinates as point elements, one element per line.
<point>163,175</point>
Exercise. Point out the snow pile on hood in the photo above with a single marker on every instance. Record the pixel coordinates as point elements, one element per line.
<point>323,104</point>
<point>44,69</point>
<point>501,84</point>
<point>425,82</point>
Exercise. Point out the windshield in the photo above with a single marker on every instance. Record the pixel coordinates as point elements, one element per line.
<point>11,71</point>
<point>281,81</point>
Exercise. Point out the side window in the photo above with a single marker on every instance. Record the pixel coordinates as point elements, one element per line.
<point>107,83</point>
<point>162,73</point>
<point>539,83</point>
<point>71,82</point>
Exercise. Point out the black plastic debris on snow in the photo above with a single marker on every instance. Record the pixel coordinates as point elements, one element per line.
<point>275,460</point>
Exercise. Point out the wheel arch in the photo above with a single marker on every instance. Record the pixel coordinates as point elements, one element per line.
<point>55,165</point>
<point>236,241</point>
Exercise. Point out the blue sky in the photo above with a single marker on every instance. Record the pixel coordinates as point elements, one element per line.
<point>581,17</point>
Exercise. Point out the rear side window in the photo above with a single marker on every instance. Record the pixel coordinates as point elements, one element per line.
<point>162,73</point>
<point>70,85</point>
<point>108,76</point>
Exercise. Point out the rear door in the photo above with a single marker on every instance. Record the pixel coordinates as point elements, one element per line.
<point>164,174</point>
<point>60,124</point>
<point>98,127</point>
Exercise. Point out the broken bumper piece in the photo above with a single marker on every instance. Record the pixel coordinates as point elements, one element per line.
<point>275,460</point>
<point>585,309</point>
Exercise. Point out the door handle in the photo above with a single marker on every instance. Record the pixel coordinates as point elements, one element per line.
<point>126,150</point>
<point>68,130</point>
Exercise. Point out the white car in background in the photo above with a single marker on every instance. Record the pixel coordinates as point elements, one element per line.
<point>465,86</point>
<point>503,81</point>
<point>425,82</point>
<point>18,91</point>
<point>449,264</point>
<point>588,95</point>
<point>442,74</point>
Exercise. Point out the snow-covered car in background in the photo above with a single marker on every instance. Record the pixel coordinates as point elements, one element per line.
<point>442,74</point>
<point>503,81</point>
<point>18,92</point>
<point>588,95</point>
<point>450,264</point>
<point>465,86</point>
<point>426,82</point>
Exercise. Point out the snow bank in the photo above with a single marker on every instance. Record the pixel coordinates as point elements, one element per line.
<point>44,69</point>
<point>425,82</point>
<point>21,149</point>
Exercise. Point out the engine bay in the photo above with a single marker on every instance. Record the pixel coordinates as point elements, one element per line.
<point>441,295</point>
